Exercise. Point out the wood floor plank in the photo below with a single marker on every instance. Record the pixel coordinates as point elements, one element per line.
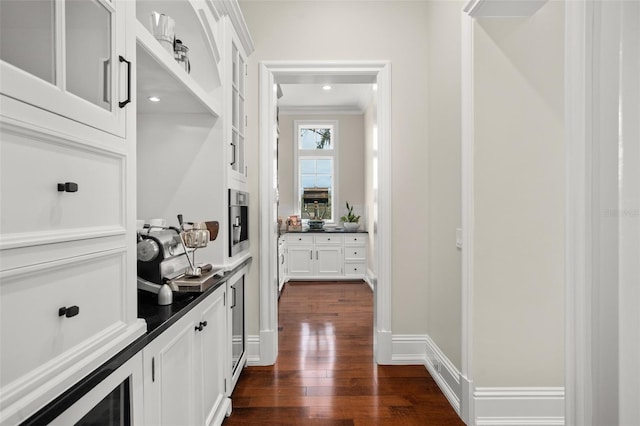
<point>325,373</point>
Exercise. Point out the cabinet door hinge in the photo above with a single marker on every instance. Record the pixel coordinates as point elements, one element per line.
<point>225,385</point>
<point>246,69</point>
<point>224,300</point>
<point>153,369</point>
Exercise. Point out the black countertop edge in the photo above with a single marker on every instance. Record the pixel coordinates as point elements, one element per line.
<point>324,231</point>
<point>158,318</point>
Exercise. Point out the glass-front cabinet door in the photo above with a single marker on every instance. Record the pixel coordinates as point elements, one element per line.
<point>67,57</point>
<point>238,117</point>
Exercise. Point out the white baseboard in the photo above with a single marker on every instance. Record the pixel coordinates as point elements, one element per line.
<point>253,350</point>
<point>444,373</point>
<point>371,279</point>
<point>539,406</point>
<point>421,350</point>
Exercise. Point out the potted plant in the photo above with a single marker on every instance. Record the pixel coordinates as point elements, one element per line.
<point>350,220</point>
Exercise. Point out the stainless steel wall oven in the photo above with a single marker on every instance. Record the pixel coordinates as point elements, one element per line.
<point>238,222</point>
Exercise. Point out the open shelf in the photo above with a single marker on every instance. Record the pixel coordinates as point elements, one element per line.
<point>158,74</point>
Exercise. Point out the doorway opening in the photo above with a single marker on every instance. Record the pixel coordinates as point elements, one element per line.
<point>378,204</point>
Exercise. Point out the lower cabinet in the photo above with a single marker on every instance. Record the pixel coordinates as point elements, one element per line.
<point>185,368</point>
<point>325,256</point>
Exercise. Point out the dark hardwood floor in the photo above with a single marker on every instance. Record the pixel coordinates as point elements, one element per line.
<point>325,373</point>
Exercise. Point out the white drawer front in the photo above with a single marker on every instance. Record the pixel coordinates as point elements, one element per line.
<point>33,333</point>
<point>355,269</point>
<point>31,204</point>
<point>355,238</point>
<point>355,253</point>
<point>328,239</point>
<point>299,239</point>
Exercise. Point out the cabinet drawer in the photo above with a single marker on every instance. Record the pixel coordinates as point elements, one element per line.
<point>355,269</point>
<point>355,253</point>
<point>299,239</point>
<point>355,238</point>
<point>328,239</point>
<point>33,332</point>
<point>32,205</point>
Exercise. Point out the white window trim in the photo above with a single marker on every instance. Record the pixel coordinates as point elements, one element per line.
<point>314,153</point>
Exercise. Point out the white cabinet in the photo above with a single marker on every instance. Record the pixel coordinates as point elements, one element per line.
<point>211,351</point>
<point>355,255</point>
<point>236,121</point>
<point>67,259</point>
<point>328,260</point>
<point>325,256</point>
<point>185,368</point>
<point>313,257</point>
<point>301,260</point>
<point>69,59</point>
<point>282,262</point>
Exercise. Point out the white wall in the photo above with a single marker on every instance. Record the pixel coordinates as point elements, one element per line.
<point>519,200</point>
<point>362,30</point>
<point>175,154</point>
<point>370,194</point>
<point>444,168</point>
<point>351,157</point>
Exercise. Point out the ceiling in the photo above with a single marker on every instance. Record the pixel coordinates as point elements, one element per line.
<point>312,99</point>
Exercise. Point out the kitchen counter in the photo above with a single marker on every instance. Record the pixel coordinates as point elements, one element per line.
<point>158,319</point>
<point>325,231</point>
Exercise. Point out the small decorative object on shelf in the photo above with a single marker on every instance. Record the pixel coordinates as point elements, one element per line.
<point>350,220</point>
<point>294,223</point>
<point>163,29</point>
<point>181,54</point>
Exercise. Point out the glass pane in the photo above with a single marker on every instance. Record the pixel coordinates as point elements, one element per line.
<point>315,138</point>
<point>27,36</point>
<point>114,409</point>
<point>234,62</point>
<point>308,181</point>
<point>324,167</point>
<point>323,181</point>
<point>88,50</point>
<point>307,166</point>
<point>234,108</point>
<point>241,75</point>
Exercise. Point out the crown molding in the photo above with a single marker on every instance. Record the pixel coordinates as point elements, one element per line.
<point>321,110</point>
<point>231,8</point>
<point>503,8</point>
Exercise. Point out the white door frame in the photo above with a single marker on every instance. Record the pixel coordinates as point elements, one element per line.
<point>272,72</point>
<point>585,121</point>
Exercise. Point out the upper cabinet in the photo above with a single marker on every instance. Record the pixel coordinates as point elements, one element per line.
<point>237,70</point>
<point>69,60</point>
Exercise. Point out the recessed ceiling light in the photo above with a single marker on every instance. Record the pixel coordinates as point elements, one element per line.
<point>326,87</point>
<point>154,99</point>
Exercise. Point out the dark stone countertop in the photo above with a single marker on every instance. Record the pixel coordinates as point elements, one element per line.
<point>325,231</point>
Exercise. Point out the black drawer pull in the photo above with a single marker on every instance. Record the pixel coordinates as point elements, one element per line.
<point>69,312</point>
<point>68,187</point>
<point>121,104</point>
<point>201,326</point>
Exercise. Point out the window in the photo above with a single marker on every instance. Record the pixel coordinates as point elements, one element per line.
<point>316,166</point>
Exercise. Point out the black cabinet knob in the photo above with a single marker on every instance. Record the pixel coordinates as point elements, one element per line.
<point>68,187</point>
<point>203,323</point>
<point>69,312</point>
<point>199,327</point>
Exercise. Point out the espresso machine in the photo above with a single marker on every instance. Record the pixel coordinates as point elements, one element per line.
<point>166,259</point>
<point>315,202</point>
